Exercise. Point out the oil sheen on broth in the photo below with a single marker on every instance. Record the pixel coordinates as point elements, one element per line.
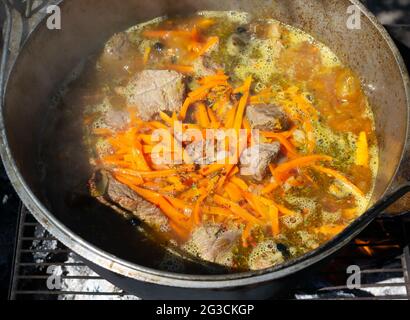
<point>218,70</point>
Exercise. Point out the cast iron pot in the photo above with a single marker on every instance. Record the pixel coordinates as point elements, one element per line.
<point>109,244</point>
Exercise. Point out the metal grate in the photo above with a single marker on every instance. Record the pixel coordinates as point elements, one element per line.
<point>382,253</point>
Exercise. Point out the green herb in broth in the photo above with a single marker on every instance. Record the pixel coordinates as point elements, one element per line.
<point>291,211</point>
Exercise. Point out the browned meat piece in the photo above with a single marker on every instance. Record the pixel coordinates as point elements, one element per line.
<point>214,243</point>
<point>108,190</point>
<point>117,47</point>
<point>265,255</point>
<point>152,91</point>
<point>201,152</point>
<point>267,117</point>
<point>255,160</point>
<point>116,119</point>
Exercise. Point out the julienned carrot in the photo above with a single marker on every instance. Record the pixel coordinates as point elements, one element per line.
<point>221,182</point>
<point>338,176</point>
<point>233,192</point>
<point>180,68</point>
<point>255,204</point>
<point>212,210</point>
<point>184,109</point>
<point>235,208</point>
<point>212,41</point>
<point>196,214</point>
<point>211,168</point>
<point>158,125</point>
<point>212,79</point>
<point>283,140</point>
<point>240,183</point>
<point>362,151</point>
<point>123,178</point>
<point>330,230</point>
<point>233,172</point>
<point>270,187</point>
<point>202,115</point>
<point>214,122</point>
<point>274,218</point>
<point>300,162</point>
<point>179,204</point>
<point>166,118</point>
<point>155,174</point>
<point>281,208</point>
<point>163,204</point>
<point>246,234</point>
<point>230,118</point>
<point>242,103</point>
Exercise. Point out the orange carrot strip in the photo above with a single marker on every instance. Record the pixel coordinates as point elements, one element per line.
<point>300,162</point>
<point>240,183</point>
<point>196,215</point>
<point>184,108</point>
<point>340,177</point>
<point>233,192</point>
<point>212,168</point>
<point>269,188</point>
<point>242,104</point>
<point>179,204</point>
<point>125,179</point>
<point>162,203</point>
<point>282,139</point>
<point>213,119</point>
<point>235,208</point>
<point>180,68</point>
<point>246,234</point>
<point>211,210</point>
<point>274,217</point>
<point>158,125</point>
<point>230,118</point>
<point>254,203</point>
<point>212,41</point>
<point>202,115</point>
<point>166,118</point>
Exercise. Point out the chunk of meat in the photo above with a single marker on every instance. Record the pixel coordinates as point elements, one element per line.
<point>200,152</point>
<point>116,119</point>
<point>214,243</point>
<point>255,160</point>
<point>116,49</point>
<point>205,152</point>
<point>108,190</point>
<point>267,117</point>
<point>152,91</point>
<point>265,255</point>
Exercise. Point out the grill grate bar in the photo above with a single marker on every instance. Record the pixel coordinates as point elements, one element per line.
<point>30,277</point>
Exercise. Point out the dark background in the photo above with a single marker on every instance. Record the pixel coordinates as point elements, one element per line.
<point>393,13</point>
